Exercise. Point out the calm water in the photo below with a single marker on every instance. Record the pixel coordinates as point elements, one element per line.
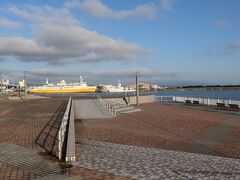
<point>224,94</point>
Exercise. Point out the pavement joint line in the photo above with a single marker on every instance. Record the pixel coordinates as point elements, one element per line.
<point>133,161</point>
<point>26,160</point>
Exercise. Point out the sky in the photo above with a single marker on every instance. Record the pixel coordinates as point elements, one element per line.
<point>168,42</point>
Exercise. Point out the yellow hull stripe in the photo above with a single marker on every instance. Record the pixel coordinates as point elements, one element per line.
<point>82,90</point>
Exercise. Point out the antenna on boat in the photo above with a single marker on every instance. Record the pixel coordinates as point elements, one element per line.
<point>119,83</point>
<point>81,79</point>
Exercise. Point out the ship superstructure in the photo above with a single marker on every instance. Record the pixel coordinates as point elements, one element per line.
<point>112,89</point>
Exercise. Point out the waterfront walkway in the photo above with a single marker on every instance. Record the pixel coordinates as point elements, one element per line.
<point>27,160</point>
<point>90,109</point>
<point>125,146</point>
<point>147,163</point>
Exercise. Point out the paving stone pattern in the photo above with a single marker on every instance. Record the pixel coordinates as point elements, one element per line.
<point>28,160</point>
<point>148,163</point>
<point>21,123</point>
<point>10,172</point>
<point>48,138</point>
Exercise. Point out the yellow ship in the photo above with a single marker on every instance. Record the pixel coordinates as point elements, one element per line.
<point>63,87</point>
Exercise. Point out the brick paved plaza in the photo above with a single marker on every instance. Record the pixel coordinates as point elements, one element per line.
<point>21,123</point>
<point>146,163</point>
<point>128,146</point>
<point>169,127</point>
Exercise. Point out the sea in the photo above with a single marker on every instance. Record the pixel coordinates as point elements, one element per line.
<point>213,94</point>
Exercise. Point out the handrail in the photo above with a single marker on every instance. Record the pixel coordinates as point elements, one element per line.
<point>70,153</point>
<point>206,101</point>
<point>107,105</point>
<point>63,128</point>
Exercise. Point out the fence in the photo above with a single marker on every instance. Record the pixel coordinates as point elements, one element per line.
<point>70,154</point>
<point>95,95</point>
<point>107,104</point>
<point>67,121</point>
<point>164,98</point>
<point>205,101</point>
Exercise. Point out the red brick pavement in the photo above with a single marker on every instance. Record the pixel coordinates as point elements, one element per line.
<point>13,173</point>
<point>20,123</point>
<point>158,126</point>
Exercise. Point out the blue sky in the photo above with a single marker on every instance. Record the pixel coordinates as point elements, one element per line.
<point>169,42</point>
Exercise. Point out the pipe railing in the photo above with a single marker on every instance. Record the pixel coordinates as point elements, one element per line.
<point>205,101</point>
<point>70,153</point>
<point>107,104</point>
<point>63,129</point>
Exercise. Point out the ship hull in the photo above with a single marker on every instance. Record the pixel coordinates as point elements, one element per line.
<point>74,90</point>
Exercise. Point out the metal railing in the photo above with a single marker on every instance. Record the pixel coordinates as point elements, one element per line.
<point>63,129</point>
<point>107,104</point>
<point>70,153</point>
<point>95,95</point>
<point>205,101</point>
<point>163,98</point>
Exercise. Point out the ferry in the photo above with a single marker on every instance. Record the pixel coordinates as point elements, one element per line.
<point>63,87</point>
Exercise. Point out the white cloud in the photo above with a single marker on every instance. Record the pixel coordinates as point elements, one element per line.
<point>222,23</point>
<point>59,44</point>
<point>1,59</point>
<point>45,14</point>
<point>97,9</point>
<point>59,38</point>
<point>98,77</point>
<point>167,5</point>
<point>231,48</point>
<point>5,23</point>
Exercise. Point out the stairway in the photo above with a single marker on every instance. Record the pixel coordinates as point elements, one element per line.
<point>120,108</point>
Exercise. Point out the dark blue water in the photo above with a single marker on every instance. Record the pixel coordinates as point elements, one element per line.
<point>221,94</point>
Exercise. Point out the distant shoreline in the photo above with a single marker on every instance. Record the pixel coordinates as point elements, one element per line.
<point>202,88</point>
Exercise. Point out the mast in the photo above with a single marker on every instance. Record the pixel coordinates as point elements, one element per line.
<point>81,79</point>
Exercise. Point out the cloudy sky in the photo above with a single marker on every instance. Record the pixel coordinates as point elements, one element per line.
<point>168,42</point>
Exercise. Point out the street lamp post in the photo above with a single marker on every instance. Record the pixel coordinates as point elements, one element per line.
<point>137,90</point>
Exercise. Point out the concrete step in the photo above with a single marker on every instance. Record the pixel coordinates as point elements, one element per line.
<point>124,109</point>
<point>131,111</point>
<point>120,106</point>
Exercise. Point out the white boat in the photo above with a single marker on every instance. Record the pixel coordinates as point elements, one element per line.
<point>113,89</point>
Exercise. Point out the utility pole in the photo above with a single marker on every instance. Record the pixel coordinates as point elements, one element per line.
<point>1,82</point>
<point>25,84</point>
<point>137,90</point>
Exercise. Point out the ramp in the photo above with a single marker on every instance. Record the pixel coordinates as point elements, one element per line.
<point>90,109</point>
